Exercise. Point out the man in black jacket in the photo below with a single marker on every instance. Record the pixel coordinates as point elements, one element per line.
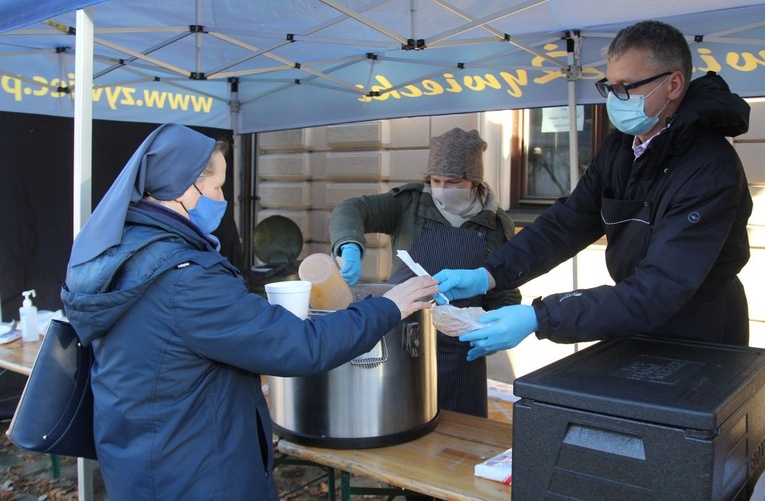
<point>669,193</point>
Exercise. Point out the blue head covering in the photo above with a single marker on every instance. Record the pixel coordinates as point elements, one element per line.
<point>164,166</point>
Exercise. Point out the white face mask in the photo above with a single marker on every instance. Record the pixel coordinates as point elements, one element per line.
<point>453,200</point>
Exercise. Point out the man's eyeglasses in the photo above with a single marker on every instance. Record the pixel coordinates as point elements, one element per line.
<point>622,91</point>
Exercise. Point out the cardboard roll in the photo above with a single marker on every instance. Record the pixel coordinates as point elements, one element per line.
<point>277,240</point>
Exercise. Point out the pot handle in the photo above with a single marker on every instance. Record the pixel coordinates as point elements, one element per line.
<point>372,362</point>
<point>410,338</point>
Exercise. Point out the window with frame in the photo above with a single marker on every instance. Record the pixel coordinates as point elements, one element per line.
<point>540,157</point>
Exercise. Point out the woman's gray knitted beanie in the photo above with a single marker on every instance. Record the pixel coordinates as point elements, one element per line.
<point>457,154</point>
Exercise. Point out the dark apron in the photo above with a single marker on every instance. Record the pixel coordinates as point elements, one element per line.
<point>462,385</point>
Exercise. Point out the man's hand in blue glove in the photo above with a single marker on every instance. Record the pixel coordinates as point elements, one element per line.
<point>351,270</point>
<point>461,284</point>
<point>511,326</point>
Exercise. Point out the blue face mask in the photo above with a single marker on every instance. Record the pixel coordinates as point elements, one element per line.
<point>208,213</point>
<point>629,116</point>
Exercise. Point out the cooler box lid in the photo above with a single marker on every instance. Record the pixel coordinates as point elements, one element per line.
<point>673,382</point>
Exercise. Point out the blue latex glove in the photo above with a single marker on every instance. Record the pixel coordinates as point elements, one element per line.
<point>511,326</point>
<point>461,284</point>
<point>351,270</point>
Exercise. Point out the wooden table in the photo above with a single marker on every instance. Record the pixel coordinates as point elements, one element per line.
<point>19,356</point>
<point>439,464</point>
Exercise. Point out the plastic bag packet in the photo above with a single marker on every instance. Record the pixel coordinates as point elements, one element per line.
<point>454,321</point>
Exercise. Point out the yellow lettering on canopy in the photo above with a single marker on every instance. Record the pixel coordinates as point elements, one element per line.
<point>383,89</point>
<point>127,96</point>
<point>201,103</point>
<point>515,82</point>
<point>432,88</point>
<point>43,86</point>
<point>154,99</point>
<point>364,98</point>
<point>710,61</point>
<point>11,86</point>
<point>539,61</point>
<point>479,83</point>
<point>411,91</point>
<point>112,94</point>
<point>177,101</point>
<point>56,83</point>
<point>453,85</point>
<point>37,86</point>
<point>750,61</point>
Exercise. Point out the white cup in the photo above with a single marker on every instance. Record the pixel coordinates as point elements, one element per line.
<point>293,295</point>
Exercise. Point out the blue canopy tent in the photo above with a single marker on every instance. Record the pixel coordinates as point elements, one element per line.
<point>268,65</point>
<point>258,66</point>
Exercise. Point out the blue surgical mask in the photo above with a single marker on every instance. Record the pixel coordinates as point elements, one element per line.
<point>208,213</point>
<point>629,116</point>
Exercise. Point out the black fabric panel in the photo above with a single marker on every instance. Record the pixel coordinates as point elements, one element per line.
<point>36,156</point>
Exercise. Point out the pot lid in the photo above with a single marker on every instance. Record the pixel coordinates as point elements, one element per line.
<point>277,239</point>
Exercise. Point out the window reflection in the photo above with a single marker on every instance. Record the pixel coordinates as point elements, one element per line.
<point>546,138</point>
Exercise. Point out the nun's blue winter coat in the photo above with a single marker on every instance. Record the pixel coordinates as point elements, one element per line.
<point>179,345</point>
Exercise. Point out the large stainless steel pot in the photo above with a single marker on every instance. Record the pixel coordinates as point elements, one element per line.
<point>384,397</point>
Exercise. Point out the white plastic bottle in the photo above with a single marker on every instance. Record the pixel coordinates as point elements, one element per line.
<point>28,317</point>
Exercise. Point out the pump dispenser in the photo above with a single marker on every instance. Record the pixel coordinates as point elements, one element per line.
<point>28,317</point>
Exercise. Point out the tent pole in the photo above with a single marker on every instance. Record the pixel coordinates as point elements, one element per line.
<point>573,136</point>
<point>83,179</point>
<point>234,107</point>
<point>573,47</point>
<point>83,118</point>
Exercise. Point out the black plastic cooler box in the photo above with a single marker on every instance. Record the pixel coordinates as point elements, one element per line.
<point>641,418</point>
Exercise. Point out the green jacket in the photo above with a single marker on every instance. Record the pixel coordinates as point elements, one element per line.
<point>401,213</point>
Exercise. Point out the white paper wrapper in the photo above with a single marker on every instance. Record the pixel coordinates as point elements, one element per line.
<point>454,321</point>
<point>498,468</point>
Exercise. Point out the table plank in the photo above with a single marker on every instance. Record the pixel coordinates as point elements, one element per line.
<point>438,464</point>
<point>475,429</point>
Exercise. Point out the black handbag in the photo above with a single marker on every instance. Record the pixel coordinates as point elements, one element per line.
<point>55,412</point>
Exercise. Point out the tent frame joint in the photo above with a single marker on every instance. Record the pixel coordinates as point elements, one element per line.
<point>412,44</point>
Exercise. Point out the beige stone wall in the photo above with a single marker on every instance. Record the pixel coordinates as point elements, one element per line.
<point>751,149</point>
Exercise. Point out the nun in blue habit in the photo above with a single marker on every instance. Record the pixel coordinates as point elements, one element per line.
<point>180,343</point>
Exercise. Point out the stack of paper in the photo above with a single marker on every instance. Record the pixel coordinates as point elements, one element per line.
<point>8,333</point>
<point>499,468</point>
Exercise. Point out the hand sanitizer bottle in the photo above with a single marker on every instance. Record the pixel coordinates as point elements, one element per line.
<point>28,317</point>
